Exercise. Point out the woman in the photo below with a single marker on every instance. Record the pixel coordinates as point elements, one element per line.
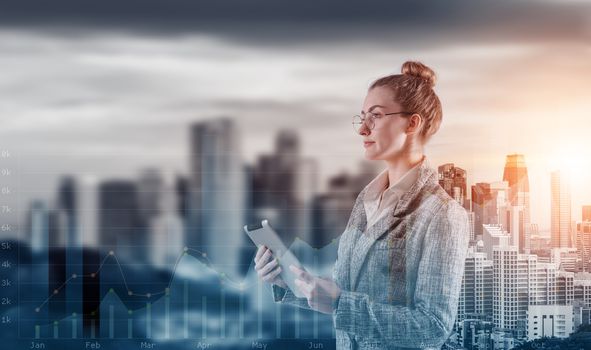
<point>400,261</point>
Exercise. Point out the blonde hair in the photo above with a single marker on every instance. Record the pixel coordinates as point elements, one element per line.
<point>413,90</point>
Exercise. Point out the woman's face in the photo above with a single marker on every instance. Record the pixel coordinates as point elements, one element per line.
<point>388,137</point>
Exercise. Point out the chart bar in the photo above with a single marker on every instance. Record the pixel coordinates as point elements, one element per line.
<point>204,317</point>
<point>167,314</point>
<point>111,322</point>
<point>148,320</point>
<point>186,310</point>
<point>74,328</point>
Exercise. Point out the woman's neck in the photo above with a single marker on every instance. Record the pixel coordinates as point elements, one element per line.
<point>397,167</point>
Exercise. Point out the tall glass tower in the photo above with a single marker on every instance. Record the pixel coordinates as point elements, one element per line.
<point>560,220</point>
<point>217,194</point>
<point>515,174</point>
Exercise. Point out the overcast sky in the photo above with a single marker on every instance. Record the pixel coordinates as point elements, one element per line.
<point>105,89</point>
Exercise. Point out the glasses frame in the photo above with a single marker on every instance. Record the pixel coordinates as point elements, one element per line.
<point>371,117</point>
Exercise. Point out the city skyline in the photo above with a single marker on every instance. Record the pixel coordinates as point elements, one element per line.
<point>355,168</point>
<point>139,137</point>
<point>98,95</point>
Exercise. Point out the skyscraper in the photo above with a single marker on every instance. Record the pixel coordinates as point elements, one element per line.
<point>182,193</point>
<point>484,206</point>
<point>332,209</point>
<point>306,187</point>
<point>57,230</point>
<point>217,194</point>
<point>560,220</point>
<point>284,185</point>
<point>149,194</point>
<point>166,229</point>
<point>453,181</point>
<point>38,227</point>
<point>511,218</point>
<point>507,301</point>
<point>586,213</point>
<point>67,202</point>
<point>519,280</point>
<point>515,173</point>
<point>476,299</point>
<point>119,219</point>
<point>284,177</point>
<point>584,244</point>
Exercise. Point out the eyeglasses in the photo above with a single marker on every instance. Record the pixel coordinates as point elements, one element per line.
<point>370,120</point>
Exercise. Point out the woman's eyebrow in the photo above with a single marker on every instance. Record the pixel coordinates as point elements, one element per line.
<point>371,108</point>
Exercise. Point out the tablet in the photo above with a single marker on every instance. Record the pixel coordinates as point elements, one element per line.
<point>263,234</point>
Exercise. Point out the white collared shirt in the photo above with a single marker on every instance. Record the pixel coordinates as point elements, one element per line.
<point>378,199</point>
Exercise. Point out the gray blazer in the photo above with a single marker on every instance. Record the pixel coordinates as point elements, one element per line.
<point>401,277</point>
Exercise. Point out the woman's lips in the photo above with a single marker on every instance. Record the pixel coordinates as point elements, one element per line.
<point>367,144</point>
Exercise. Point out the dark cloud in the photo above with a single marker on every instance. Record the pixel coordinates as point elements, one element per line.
<point>289,22</point>
<point>136,11</point>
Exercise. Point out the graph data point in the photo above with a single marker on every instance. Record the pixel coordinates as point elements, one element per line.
<point>129,292</point>
<point>55,291</point>
<point>37,310</point>
<point>74,314</point>
<point>149,295</point>
<point>111,253</point>
<point>74,275</point>
<point>204,255</point>
<point>92,275</point>
<point>186,248</point>
<point>111,290</point>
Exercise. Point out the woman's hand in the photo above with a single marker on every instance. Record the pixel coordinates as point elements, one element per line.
<point>267,267</point>
<point>320,292</point>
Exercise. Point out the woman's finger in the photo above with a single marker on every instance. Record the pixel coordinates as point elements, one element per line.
<point>274,274</point>
<point>301,274</point>
<point>262,261</point>
<point>268,267</point>
<point>303,287</point>
<point>259,253</point>
<point>271,276</point>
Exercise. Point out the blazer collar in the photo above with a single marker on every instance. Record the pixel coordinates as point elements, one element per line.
<point>407,203</point>
<point>391,194</point>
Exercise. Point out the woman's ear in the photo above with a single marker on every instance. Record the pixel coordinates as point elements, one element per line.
<point>415,122</point>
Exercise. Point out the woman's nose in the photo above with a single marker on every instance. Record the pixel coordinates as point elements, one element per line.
<point>364,130</point>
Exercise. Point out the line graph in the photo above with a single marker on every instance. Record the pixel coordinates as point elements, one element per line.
<point>214,306</point>
<point>112,254</point>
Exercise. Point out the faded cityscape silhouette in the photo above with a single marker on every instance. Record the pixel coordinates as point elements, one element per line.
<point>135,145</point>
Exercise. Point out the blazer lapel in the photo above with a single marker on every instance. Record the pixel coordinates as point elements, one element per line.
<point>366,240</point>
<point>385,224</point>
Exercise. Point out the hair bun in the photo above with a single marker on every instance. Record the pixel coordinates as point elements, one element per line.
<point>419,70</point>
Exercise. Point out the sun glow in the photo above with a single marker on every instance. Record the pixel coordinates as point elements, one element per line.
<point>574,160</point>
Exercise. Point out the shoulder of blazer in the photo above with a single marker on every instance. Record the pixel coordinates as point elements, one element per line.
<point>448,209</point>
<point>436,204</point>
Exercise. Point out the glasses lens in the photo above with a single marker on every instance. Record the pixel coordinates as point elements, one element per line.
<point>369,121</point>
<point>357,122</point>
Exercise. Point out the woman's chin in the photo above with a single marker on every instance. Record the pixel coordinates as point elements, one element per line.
<point>371,156</point>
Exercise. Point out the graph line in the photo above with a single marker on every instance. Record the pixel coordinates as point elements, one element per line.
<point>185,251</point>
